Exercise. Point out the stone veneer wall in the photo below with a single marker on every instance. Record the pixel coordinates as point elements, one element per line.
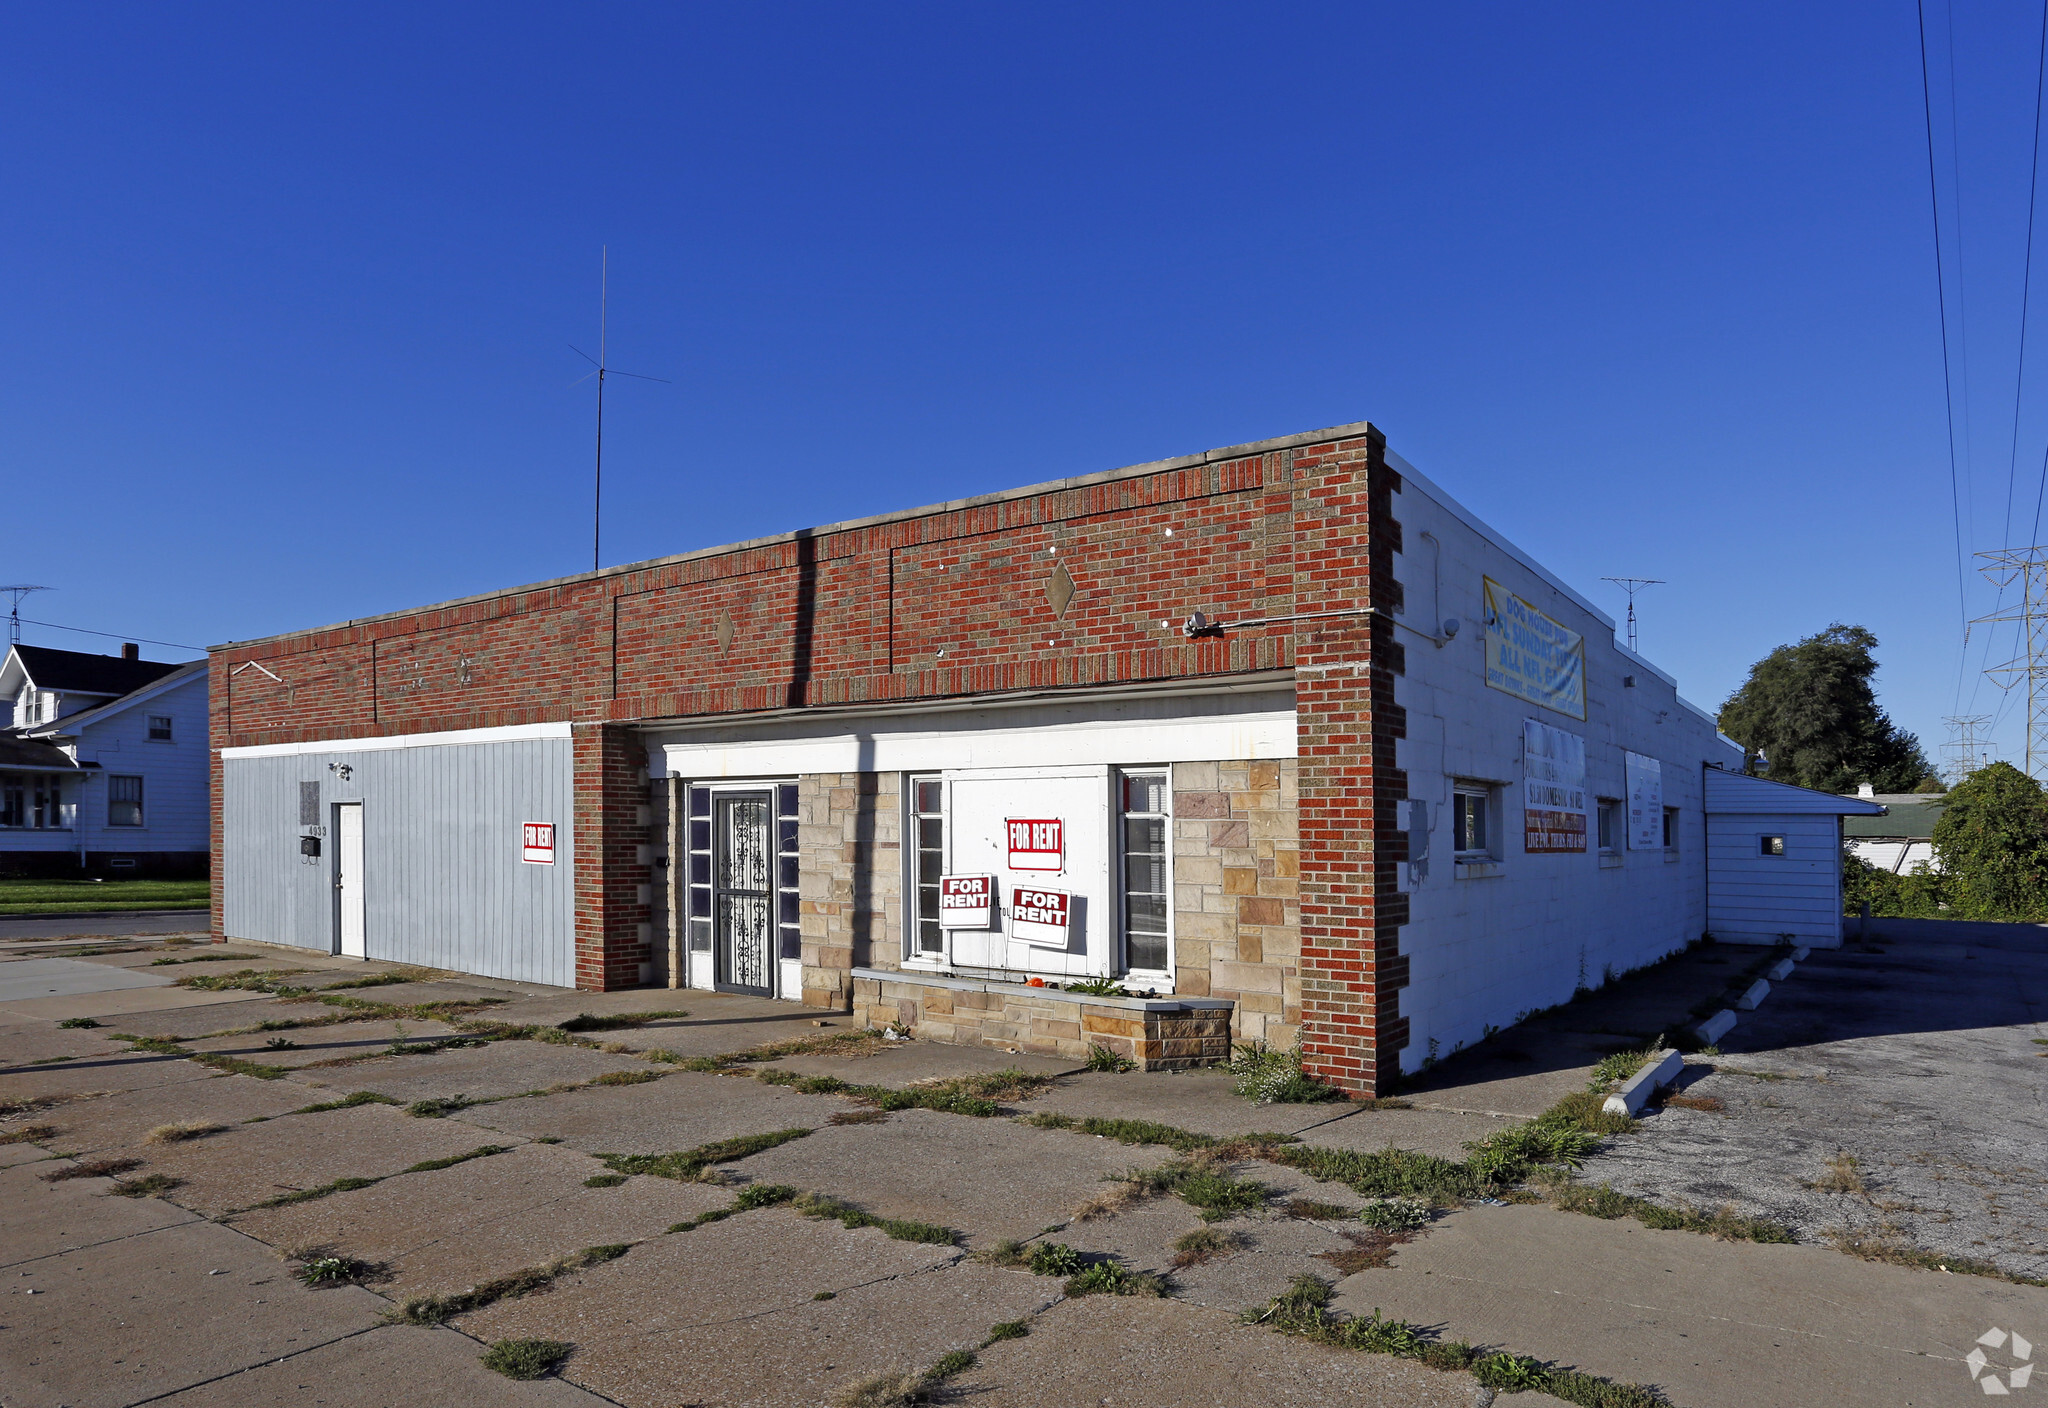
<point>1045,1022</point>
<point>849,835</point>
<point>1237,918</point>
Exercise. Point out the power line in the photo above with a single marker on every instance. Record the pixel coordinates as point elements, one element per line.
<point>2027,276</point>
<point>1947,379</point>
<point>114,635</point>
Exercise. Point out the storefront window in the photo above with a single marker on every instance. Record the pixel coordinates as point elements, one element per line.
<point>928,821</point>
<point>1145,871</point>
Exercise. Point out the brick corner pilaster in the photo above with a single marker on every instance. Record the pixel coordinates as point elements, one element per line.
<point>612,854</point>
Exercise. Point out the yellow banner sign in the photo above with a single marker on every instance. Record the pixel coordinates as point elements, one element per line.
<point>1531,656</point>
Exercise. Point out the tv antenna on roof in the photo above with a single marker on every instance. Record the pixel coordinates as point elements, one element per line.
<point>601,372</point>
<point>1632,585</point>
<point>14,618</point>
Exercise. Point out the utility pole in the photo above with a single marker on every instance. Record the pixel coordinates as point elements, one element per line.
<point>14,617</point>
<point>2027,569</point>
<point>1964,752</point>
<point>1632,585</point>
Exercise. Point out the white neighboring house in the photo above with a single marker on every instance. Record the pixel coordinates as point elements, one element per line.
<point>103,765</point>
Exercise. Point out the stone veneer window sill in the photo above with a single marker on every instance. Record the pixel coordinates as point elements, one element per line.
<point>930,978</point>
<point>1477,869</point>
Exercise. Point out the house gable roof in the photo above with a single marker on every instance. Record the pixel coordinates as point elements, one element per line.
<point>75,672</point>
<point>71,723</point>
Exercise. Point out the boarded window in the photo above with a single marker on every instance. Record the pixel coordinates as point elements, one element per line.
<point>309,804</point>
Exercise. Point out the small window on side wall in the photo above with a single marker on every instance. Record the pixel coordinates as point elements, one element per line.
<point>124,801</point>
<point>1771,845</point>
<point>1470,829</point>
<point>1671,828</point>
<point>1609,817</point>
<point>160,728</point>
<point>1146,888</point>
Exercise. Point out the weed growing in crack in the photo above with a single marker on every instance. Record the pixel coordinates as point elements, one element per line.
<point>147,1186</point>
<point>689,1165</point>
<point>1203,1244</point>
<point>849,1216</point>
<point>526,1359</point>
<point>1110,1277</point>
<point>91,1168</point>
<point>182,1131</point>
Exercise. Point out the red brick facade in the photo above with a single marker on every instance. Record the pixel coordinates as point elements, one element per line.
<point>1068,586</point>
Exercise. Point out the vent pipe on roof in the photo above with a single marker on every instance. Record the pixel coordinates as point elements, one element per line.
<point>130,650</point>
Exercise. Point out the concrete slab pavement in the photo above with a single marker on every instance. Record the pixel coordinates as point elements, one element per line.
<point>479,1072</point>
<point>1714,1324</point>
<point>123,1120</point>
<point>455,1227</point>
<point>39,1219</point>
<point>392,1366</point>
<point>130,1319</point>
<point>68,977</point>
<point>900,1065</point>
<point>680,1111</point>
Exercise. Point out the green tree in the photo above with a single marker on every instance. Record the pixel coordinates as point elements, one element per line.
<point>1811,709</point>
<point>1992,841</point>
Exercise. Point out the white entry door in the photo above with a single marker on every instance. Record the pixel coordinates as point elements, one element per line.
<point>982,806</point>
<point>348,880</point>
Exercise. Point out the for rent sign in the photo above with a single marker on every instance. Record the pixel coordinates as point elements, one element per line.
<point>537,842</point>
<point>1040,916</point>
<point>1036,843</point>
<point>966,901</point>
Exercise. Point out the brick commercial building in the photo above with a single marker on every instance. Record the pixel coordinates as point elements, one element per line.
<point>1279,739</point>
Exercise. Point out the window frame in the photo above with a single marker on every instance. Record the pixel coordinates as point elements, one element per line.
<point>1465,792</point>
<point>1120,778</point>
<point>1771,845</point>
<point>170,725</point>
<point>1671,831</point>
<point>914,852</point>
<point>1610,824</point>
<point>138,801</point>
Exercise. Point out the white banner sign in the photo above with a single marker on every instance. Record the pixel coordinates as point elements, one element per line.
<point>1531,656</point>
<point>1553,790</point>
<point>1645,803</point>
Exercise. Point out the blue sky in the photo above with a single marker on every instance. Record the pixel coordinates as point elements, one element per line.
<point>289,289</point>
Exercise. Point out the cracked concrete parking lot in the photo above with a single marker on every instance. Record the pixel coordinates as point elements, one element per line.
<point>221,1195</point>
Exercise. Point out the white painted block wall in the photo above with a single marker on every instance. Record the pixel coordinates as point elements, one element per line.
<point>1484,950</point>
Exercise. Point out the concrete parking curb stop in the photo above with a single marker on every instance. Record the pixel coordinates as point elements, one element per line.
<point>1632,1094</point>
<point>1754,998</point>
<point>1715,1027</point>
<point>1781,970</point>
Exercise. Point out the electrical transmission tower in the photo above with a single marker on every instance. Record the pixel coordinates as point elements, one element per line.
<point>1965,751</point>
<point>1632,585</point>
<point>2027,569</point>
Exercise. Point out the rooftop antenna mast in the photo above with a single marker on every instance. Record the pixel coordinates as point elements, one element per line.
<point>14,617</point>
<point>1632,585</point>
<point>601,372</point>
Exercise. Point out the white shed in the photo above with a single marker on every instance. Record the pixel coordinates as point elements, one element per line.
<point>1774,860</point>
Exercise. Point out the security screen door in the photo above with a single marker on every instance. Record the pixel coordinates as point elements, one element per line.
<point>743,892</point>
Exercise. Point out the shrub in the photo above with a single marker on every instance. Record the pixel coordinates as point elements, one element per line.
<point>1101,1058</point>
<point>1394,1214</point>
<point>1266,1076</point>
<point>1054,1259</point>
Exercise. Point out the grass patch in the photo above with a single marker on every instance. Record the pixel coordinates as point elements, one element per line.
<point>204,958</point>
<point>1367,1251</point>
<point>688,1166</point>
<point>625,1021</point>
<point>1303,1310</point>
<point>1267,1076</point>
<point>307,1195</point>
<point>1843,1175</point>
<point>1616,1067</point>
<point>183,1130</point>
<point>627,1077</point>
<point>347,1102</point>
<point>482,1151</point>
<point>859,1117</point>
<point>1008,1330</point>
<point>76,1023</point>
<point>1125,1131</point>
<point>147,1186</point>
<point>432,1310</point>
<point>235,1065</point>
<point>385,980</point>
<point>90,896</point>
<point>1203,1244</point>
<point>1111,1277</point>
<point>849,1216</point>
<point>91,1168</point>
<point>270,980</point>
<point>29,1134</point>
<point>333,1271</point>
<point>440,1107</point>
<point>1313,1211</point>
<point>526,1359</point>
<point>1102,1058</point>
<point>52,1060</point>
<point>1705,1103</point>
<point>763,1195</point>
<point>1896,1253</point>
<point>604,1180</point>
<point>1605,1201</point>
<point>1053,1259</point>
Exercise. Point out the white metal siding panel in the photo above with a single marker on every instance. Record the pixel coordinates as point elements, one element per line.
<point>1752,897</point>
<point>444,885</point>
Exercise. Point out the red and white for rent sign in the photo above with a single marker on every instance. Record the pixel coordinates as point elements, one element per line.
<point>1040,916</point>
<point>537,843</point>
<point>966,901</point>
<point>1036,843</point>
